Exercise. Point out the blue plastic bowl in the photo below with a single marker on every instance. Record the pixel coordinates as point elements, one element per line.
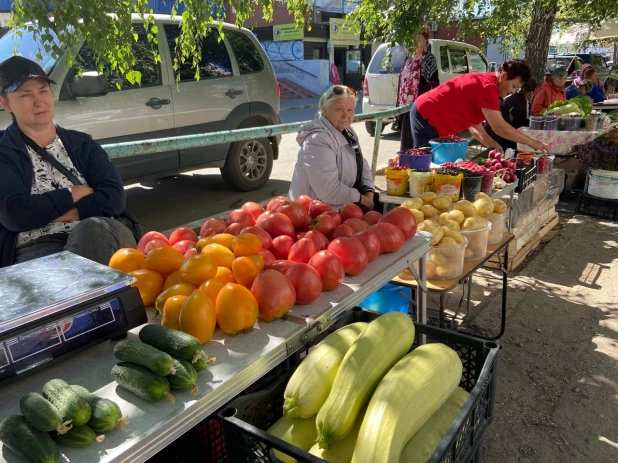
<point>448,152</point>
<point>416,161</point>
<point>387,299</point>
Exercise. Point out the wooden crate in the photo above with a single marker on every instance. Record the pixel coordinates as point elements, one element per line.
<point>517,258</point>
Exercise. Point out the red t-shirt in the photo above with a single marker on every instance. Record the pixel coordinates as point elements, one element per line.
<point>457,104</point>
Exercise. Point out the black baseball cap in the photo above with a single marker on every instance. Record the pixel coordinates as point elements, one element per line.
<point>17,70</point>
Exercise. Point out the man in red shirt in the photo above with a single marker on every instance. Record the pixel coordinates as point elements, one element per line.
<point>465,102</point>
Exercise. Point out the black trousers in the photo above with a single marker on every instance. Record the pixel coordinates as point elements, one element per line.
<point>406,133</point>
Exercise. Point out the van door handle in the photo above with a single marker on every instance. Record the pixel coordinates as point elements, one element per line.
<point>156,103</point>
<point>233,93</point>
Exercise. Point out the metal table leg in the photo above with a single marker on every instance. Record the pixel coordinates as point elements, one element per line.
<point>419,270</point>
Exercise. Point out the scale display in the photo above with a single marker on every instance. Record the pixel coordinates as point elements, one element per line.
<point>30,348</point>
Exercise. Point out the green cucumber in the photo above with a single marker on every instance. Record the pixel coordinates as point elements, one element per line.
<point>105,415</point>
<point>147,356</point>
<point>203,361</point>
<point>28,442</point>
<point>42,414</point>
<point>70,405</point>
<point>185,377</point>
<point>142,382</point>
<point>176,343</point>
<point>78,436</point>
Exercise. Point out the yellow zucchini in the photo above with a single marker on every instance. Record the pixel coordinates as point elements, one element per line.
<point>420,448</point>
<point>343,450</point>
<point>299,432</point>
<point>312,381</point>
<point>415,388</point>
<point>380,346</point>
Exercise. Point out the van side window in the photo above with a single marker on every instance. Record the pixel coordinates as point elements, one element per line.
<point>459,61</point>
<point>247,55</point>
<point>444,60</point>
<point>144,63</point>
<point>215,58</point>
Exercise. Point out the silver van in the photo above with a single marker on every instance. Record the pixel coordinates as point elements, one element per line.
<point>381,82</point>
<point>237,89</point>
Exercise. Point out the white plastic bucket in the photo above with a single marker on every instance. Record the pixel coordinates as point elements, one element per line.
<point>420,182</point>
<point>603,183</point>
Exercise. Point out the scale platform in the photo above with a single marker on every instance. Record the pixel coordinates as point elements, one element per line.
<point>58,305</point>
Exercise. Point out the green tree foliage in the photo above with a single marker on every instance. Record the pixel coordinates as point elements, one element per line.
<point>106,25</point>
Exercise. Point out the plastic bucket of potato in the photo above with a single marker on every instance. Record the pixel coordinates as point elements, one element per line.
<point>477,242</point>
<point>445,263</point>
<point>498,227</point>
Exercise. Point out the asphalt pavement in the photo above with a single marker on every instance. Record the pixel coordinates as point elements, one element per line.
<point>192,196</point>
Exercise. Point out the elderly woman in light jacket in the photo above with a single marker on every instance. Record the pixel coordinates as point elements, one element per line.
<point>330,165</point>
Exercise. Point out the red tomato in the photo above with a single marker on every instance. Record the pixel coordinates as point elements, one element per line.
<point>402,218</point>
<point>297,214</point>
<point>278,224</point>
<point>268,257</point>
<point>325,224</point>
<point>235,228</point>
<point>240,216</point>
<point>206,232</point>
<point>184,245</point>
<point>321,242</point>
<point>391,238</point>
<point>252,208</point>
<point>300,235</point>
<point>219,225</point>
<point>372,217</point>
<point>151,235</point>
<point>352,253</point>
<point>350,211</point>
<point>330,268</point>
<point>190,253</point>
<point>281,246</point>
<point>264,237</point>
<point>335,215</point>
<point>303,250</point>
<point>276,203</point>
<point>261,218</point>
<point>357,225</point>
<point>317,207</point>
<point>282,266</point>
<point>371,242</point>
<point>154,244</point>
<point>305,201</point>
<point>306,281</point>
<point>342,230</point>
<point>274,294</point>
<point>182,234</point>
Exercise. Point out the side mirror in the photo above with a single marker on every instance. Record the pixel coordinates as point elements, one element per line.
<point>90,83</point>
<point>492,66</point>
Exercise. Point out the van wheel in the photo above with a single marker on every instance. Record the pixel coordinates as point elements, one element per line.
<point>248,164</point>
<point>371,128</point>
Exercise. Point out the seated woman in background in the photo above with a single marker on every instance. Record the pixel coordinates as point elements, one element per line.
<point>583,88</point>
<point>551,90</point>
<point>596,93</point>
<point>515,110</point>
<point>330,165</point>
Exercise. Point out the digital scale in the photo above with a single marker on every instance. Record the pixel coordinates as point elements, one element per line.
<point>58,305</point>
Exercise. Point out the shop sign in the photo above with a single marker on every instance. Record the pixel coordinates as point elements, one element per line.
<point>285,32</point>
<point>341,36</point>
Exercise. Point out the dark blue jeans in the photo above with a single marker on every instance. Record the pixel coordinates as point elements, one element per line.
<point>422,130</point>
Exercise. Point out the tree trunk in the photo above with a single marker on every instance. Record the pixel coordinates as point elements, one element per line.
<point>541,27</point>
<point>615,51</point>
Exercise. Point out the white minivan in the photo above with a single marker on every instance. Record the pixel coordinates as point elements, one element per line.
<point>382,78</point>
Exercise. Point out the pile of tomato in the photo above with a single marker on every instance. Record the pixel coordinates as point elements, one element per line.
<point>258,262</point>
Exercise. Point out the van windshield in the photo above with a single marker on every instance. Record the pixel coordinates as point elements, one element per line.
<point>378,66</point>
<point>27,47</point>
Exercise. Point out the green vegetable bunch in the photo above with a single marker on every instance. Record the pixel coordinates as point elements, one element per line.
<point>581,105</point>
<point>584,102</point>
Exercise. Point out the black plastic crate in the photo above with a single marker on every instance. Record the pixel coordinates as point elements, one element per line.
<point>526,175</point>
<point>597,207</point>
<point>247,418</point>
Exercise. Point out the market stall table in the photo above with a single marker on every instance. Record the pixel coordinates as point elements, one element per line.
<point>559,141</point>
<point>241,360</point>
<point>606,106</point>
<point>498,251</point>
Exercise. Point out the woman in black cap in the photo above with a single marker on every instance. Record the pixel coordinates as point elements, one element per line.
<point>58,189</point>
